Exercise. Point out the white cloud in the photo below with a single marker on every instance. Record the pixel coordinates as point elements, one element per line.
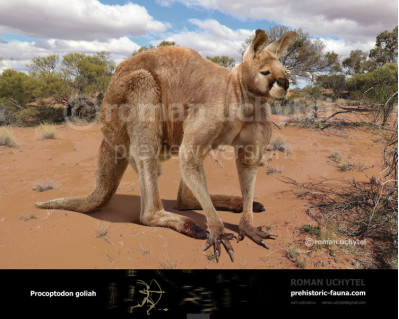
<point>351,20</point>
<point>89,26</point>
<point>17,54</point>
<point>212,38</point>
<point>76,19</point>
<point>343,49</point>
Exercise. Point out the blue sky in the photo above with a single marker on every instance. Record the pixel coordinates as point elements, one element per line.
<point>30,28</point>
<point>177,15</point>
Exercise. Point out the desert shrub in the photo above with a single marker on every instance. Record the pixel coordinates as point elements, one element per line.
<point>83,107</point>
<point>27,117</point>
<point>311,230</point>
<point>51,114</point>
<point>2,114</point>
<point>378,89</point>
<point>341,101</point>
<point>336,157</point>
<point>294,96</point>
<point>272,170</point>
<point>363,210</point>
<point>34,115</point>
<point>353,103</point>
<point>17,87</point>
<point>6,137</point>
<point>46,131</point>
<point>278,144</point>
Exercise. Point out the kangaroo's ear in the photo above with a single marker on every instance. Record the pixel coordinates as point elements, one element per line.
<point>279,46</point>
<point>256,46</point>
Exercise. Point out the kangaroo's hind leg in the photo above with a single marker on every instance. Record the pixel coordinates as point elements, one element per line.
<point>145,134</point>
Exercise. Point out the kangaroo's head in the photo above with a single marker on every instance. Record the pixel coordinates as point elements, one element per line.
<point>261,71</point>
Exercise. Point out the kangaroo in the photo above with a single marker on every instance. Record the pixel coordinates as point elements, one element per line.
<point>170,100</point>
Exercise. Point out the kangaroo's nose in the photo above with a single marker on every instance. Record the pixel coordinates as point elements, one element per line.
<point>283,83</point>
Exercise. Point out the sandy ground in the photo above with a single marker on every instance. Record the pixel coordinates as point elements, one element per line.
<point>34,238</point>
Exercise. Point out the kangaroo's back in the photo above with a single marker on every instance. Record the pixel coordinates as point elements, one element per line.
<point>181,73</point>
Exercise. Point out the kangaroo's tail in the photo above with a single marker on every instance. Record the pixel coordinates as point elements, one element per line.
<point>109,173</point>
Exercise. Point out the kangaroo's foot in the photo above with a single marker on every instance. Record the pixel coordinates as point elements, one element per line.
<point>181,224</point>
<point>256,234</point>
<point>217,236</point>
<point>192,229</point>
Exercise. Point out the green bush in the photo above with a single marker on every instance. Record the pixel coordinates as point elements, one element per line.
<point>311,230</point>
<point>27,116</point>
<point>34,115</point>
<point>293,96</point>
<point>378,88</point>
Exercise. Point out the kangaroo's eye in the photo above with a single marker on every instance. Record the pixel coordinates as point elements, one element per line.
<point>265,72</point>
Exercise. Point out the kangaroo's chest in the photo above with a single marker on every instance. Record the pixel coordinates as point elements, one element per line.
<point>239,133</point>
<point>258,133</point>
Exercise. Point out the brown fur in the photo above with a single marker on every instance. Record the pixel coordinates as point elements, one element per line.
<point>140,125</point>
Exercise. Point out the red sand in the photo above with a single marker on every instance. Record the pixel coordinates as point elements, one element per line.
<point>34,238</point>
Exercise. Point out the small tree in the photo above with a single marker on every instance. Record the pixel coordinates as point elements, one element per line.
<point>385,51</point>
<point>357,63</point>
<point>334,82</point>
<point>165,43</point>
<point>379,89</point>
<point>88,73</point>
<point>314,92</point>
<point>16,86</point>
<point>16,90</point>
<point>51,80</point>
<point>386,48</point>
<point>48,64</point>
<point>144,48</point>
<point>223,61</point>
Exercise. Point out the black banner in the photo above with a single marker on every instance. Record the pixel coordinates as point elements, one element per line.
<point>198,294</point>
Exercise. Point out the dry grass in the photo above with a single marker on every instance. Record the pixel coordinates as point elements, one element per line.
<point>211,257</point>
<point>335,157</point>
<point>272,170</point>
<point>46,131</point>
<point>7,137</point>
<point>102,231</point>
<point>346,167</point>
<point>341,102</point>
<point>28,217</point>
<point>357,210</point>
<point>279,144</point>
<point>294,254</point>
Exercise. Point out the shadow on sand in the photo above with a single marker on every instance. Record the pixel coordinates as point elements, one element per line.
<point>126,209</point>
